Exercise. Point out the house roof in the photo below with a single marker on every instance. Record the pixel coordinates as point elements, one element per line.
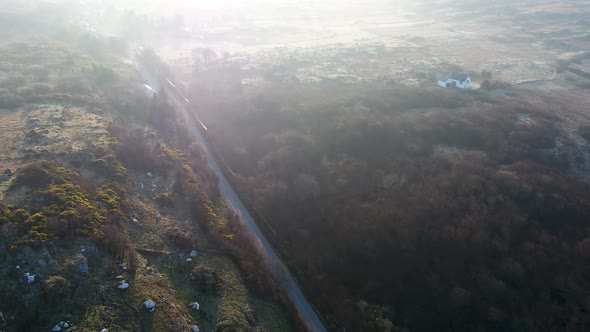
<point>455,76</point>
<point>459,77</point>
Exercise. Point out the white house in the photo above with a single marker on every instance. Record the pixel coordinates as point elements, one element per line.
<point>456,80</point>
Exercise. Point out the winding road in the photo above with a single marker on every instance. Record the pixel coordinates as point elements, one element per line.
<point>286,281</point>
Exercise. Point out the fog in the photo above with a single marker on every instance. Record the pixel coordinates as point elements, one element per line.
<point>418,165</point>
<point>227,25</point>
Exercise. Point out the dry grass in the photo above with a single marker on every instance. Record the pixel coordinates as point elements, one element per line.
<point>48,129</point>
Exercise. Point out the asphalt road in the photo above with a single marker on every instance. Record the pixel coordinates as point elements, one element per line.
<point>286,280</point>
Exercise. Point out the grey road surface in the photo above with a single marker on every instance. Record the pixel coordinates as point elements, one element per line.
<point>286,280</point>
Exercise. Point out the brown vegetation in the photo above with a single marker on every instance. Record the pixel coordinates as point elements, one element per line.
<point>433,220</point>
<point>205,278</point>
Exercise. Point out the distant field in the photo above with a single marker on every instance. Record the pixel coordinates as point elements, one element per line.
<point>518,43</point>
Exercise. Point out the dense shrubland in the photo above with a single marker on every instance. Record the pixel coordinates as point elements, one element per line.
<point>64,207</point>
<point>400,213</point>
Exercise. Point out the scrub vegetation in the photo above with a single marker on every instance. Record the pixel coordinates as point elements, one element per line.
<point>112,189</point>
<point>398,205</point>
<point>417,208</point>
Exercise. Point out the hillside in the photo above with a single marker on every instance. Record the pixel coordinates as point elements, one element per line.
<point>173,165</point>
<point>106,202</point>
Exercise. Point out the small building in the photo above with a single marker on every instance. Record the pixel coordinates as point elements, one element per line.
<point>456,80</point>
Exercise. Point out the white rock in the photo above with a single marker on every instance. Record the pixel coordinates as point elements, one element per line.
<point>18,267</point>
<point>30,277</point>
<point>150,305</point>
<point>149,174</point>
<point>123,285</point>
<point>194,253</point>
<point>195,305</point>
<point>158,216</point>
<point>189,259</point>
<point>135,221</point>
<point>195,328</point>
<point>119,277</point>
<point>56,328</point>
<point>104,330</point>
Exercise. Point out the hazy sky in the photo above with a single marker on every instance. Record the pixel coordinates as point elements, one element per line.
<point>169,5</point>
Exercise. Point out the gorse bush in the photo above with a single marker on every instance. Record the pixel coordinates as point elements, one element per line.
<point>56,290</point>
<point>63,209</point>
<point>205,278</point>
<point>36,175</point>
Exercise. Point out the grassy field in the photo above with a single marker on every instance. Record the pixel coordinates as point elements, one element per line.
<point>406,45</point>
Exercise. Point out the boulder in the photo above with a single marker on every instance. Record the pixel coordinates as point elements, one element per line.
<point>195,305</point>
<point>30,277</point>
<point>123,285</point>
<point>189,259</point>
<point>195,328</point>
<point>150,305</point>
<point>104,330</point>
<point>61,326</point>
<point>82,264</point>
<point>194,253</point>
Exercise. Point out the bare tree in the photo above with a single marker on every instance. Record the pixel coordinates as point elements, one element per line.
<point>203,56</point>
